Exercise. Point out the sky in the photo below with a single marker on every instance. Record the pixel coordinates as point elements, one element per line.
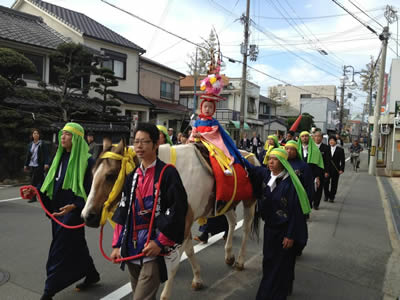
<point>289,34</point>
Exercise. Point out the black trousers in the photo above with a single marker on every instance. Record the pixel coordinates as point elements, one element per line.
<point>37,176</point>
<point>317,195</point>
<point>332,182</point>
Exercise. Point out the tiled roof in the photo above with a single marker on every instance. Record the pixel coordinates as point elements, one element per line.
<point>152,62</point>
<point>27,29</point>
<point>164,106</point>
<point>129,98</point>
<point>85,25</point>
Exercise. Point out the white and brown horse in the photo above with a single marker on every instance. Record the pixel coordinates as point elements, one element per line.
<point>198,181</point>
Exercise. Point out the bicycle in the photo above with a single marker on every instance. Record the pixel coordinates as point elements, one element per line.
<point>355,160</point>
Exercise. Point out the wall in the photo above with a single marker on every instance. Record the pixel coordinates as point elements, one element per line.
<point>150,81</point>
<point>317,91</point>
<point>51,21</point>
<point>394,87</point>
<point>130,85</point>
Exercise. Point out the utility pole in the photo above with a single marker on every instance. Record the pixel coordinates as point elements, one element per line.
<point>195,85</point>
<point>375,134</point>
<point>246,20</point>
<point>341,112</point>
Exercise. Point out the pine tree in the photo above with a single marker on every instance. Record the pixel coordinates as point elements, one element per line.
<point>15,124</point>
<point>203,56</point>
<point>104,81</point>
<point>370,75</point>
<point>72,65</point>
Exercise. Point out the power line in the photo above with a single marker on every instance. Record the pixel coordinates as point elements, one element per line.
<point>316,17</point>
<point>293,25</point>
<point>200,46</point>
<point>309,30</point>
<point>365,13</point>
<point>351,14</point>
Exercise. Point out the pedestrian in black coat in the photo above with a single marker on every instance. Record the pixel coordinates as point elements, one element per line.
<point>336,168</point>
<point>325,152</point>
<point>37,160</point>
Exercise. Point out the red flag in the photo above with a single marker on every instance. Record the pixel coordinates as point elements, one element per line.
<point>296,124</point>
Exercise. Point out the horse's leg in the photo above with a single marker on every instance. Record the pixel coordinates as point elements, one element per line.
<point>229,256</point>
<point>248,215</point>
<point>197,283</point>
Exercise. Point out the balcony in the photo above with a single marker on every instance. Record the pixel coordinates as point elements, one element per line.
<point>224,114</point>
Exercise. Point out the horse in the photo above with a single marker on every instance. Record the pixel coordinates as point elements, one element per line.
<point>198,180</point>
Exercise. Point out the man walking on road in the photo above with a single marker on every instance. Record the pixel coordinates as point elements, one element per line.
<point>336,168</point>
<point>311,154</point>
<point>324,149</point>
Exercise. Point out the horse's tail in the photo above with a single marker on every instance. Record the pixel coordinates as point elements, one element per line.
<point>255,226</point>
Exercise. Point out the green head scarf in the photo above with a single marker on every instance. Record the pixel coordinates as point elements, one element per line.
<point>282,156</point>
<point>165,132</point>
<point>314,155</point>
<point>268,148</point>
<point>293,144</point>
<point>77,164</point>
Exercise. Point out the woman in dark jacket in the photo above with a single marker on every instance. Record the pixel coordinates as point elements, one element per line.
<point>37,160</point>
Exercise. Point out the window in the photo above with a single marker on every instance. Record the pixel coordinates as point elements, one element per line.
<point>116,62</point>
<point>302,96</point>
<point>77,82</point>
<point>37,60</point>
<point>183,101</point>
<point>264,108</point>
<point>167,90</point>
<point>222,104</point>
<point>251,105</point>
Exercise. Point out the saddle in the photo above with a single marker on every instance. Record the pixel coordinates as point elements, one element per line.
<point>236,187</point>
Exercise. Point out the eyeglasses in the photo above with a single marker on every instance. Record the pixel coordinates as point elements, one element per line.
<point>143,142</point>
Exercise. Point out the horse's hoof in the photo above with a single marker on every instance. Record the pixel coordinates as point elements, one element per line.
<point>238,267</point>
<point>230,261</point>
<point>197,286</point>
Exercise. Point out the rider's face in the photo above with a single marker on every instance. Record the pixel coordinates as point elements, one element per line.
<point>292,152</point>
<point>275,165</point>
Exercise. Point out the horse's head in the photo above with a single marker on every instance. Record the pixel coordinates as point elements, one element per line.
<point>105,174</point>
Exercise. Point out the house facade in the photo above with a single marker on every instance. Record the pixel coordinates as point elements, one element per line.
<point>161,84</point>
<point>324,111</point>
<point>122,55</point>
<point>290,96</point>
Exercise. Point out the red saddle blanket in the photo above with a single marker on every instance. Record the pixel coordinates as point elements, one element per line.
<point>225,184</point>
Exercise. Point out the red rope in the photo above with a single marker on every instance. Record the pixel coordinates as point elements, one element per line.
<point>150,226</point>
<point>36,192</point>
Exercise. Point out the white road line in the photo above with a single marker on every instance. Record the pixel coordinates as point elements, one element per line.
<point>126,289</point>
<point>11,199</point>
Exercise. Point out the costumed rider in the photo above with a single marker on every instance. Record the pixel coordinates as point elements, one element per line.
<point>133,217</point>
<point>282,204</point>
<point>209,130</point>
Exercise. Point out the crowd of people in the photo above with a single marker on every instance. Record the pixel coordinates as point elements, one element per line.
<point>296,172</point>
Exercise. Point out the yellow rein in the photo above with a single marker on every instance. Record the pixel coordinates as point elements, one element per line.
<point>127,166</point>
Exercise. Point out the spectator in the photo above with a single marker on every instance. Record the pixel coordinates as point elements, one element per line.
<point>37,160</point>
<point>171,135</point>
<point>184,138</point>
<point>93,148</point>
<point>245,143</point>
<point>179,138</point>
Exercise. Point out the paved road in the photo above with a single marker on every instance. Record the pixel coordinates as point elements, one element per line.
<point>345,259</point>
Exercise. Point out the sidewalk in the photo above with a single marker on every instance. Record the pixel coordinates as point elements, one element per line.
<point>348,251</point>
